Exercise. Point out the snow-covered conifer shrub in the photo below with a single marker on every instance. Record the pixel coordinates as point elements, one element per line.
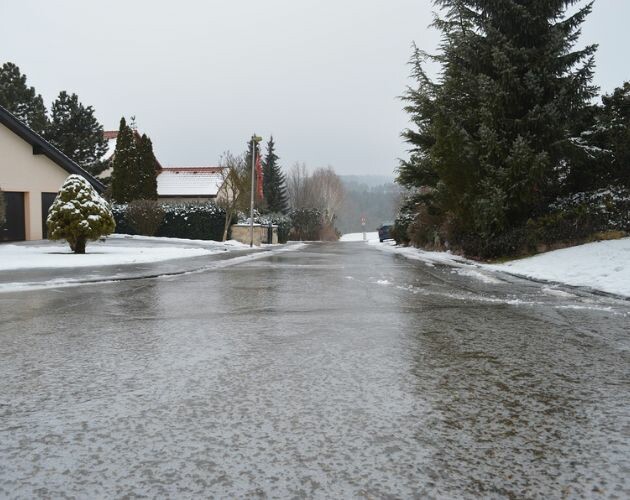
<point>79,214</point>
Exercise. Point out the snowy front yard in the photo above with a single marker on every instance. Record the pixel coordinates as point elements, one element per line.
<point>117,250</point>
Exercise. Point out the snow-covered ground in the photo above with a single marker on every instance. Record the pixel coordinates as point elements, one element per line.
<point>359,237</point>
<point>143,250</point>
<point>178,241</point>
<point>603,266</point>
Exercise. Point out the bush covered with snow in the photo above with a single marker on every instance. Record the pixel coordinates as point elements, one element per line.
<point>79,214</point>
<point>198,221</point>
<point>577,217</point>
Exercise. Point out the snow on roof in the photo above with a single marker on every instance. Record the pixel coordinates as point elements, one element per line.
<point>189,181</point>
<point>111,149</point>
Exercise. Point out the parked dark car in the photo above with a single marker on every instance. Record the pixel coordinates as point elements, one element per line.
<point>384,231</point>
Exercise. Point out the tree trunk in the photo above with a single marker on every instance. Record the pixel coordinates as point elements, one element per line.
<point>228,218</point>
<point>79,246</point>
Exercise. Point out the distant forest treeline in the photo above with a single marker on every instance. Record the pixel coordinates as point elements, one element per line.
<point>375,197</point>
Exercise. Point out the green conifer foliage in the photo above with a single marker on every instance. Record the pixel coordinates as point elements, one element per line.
<point>146,178</point>
<point>20,99</point>
<point>493,136</point>
<point>608,143</point>
<point>124,165</point>
<point>79,214</point>
<point>248,165</point>
<point>274,183</point>
<point>76,132</point>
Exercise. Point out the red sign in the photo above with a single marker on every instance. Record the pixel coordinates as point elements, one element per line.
<point>259,178</point>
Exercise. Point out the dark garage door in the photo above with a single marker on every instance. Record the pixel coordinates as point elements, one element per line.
<point>14,227</point>
<point>47,200</point>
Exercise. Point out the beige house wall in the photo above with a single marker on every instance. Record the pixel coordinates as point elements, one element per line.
<point>22,171</point>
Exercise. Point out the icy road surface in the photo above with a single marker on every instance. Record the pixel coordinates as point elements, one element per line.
<point>335,371</point>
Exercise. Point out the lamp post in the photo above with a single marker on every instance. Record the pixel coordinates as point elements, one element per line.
<point>255,140</point>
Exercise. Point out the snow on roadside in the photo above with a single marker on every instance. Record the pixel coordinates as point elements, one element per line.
<point>359,237</point>
<point>425,256</point>
<point>160,239</point>
<point>603,266</point>
<point>98,254</point>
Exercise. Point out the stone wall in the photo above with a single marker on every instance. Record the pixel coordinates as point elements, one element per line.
<point>240,232</point>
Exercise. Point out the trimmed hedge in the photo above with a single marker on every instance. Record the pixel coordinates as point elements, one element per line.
<point>197,221</point>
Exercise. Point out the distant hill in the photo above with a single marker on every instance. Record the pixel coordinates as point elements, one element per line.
<point>375,197</point>
<point>367,180</point>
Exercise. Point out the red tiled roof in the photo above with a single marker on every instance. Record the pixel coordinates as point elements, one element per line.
<point>188,170</point>
<point>110,134</point>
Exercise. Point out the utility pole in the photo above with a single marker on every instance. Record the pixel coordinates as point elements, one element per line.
<point>255,140</point>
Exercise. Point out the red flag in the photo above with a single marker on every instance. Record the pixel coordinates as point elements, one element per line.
<point>259,178</point>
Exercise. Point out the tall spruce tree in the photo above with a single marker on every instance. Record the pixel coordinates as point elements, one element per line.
<point>248,163</point>
<point>20,99</point>
<point>494,135</point>
<point>75,131</point>
<point>146,176</point>
<point>124,165</point>
<point>274,183</point>
<point>608,144</point>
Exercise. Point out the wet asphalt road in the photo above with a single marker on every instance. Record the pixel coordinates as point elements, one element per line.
<point>335,371</point>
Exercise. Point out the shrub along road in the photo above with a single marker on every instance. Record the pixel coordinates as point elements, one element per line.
<point>332,371</point>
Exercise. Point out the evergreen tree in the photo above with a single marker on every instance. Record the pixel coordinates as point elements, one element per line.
<point>494,135</point>
<point>75,131</point>
<point>134,175</point>
<point>248,164</point>
<point>274,183</point>
<point>20,99</point>
<point>608,142</point>
<point>124,165</point>
<point>146,176</point>
<point>79,214</point>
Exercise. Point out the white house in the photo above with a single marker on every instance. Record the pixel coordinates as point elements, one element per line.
<point>176,184</point>
<point>31,172</point>
<point>190,183</point>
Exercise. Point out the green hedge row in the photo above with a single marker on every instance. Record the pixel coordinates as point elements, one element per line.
<point>198,221</point>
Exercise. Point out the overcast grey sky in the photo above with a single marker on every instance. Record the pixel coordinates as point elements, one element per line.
<point>322,76</point>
